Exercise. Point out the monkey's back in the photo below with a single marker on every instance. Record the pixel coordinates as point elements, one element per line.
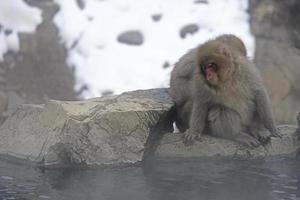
<point>181,75</point>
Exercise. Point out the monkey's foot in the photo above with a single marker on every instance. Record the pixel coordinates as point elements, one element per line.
<point>189,137</point>
<point>247,140</point>
<point>275,133</point>
<point>263,137</point>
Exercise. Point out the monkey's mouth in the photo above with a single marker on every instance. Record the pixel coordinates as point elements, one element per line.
<point>209,71</point>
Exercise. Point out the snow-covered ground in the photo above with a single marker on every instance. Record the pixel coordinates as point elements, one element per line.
<point>90,29</point>
<point>105,64</point>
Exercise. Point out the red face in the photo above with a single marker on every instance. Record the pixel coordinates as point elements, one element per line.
<point>210,73</point>
<point>216,63</point>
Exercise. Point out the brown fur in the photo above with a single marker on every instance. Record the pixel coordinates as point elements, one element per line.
<point>235,42</point>
<point>234,105</point>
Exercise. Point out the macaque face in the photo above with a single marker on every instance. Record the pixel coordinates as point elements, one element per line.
<point>210,73</point>
<point>216,69</point>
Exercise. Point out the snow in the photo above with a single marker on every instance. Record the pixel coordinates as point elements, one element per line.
<point>102,63</point>
<point>16,17</point>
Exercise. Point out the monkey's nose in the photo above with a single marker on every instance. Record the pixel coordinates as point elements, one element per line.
<point>209,74</point>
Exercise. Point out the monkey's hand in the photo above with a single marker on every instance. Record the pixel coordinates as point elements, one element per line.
<point>263,137</point>
<point>190,136</point>
<point>275,133</point>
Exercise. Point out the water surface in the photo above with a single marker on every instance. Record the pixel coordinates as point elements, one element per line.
<point>156,180</point>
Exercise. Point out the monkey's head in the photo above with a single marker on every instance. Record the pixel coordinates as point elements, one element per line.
<point>216,62</point>
<point>234,42</point>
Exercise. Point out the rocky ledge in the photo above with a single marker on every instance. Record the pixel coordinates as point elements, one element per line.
<point>116,130</point>
<point>171,146</point>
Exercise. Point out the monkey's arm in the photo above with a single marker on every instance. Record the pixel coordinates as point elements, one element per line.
<point>196,123</point>
<point>186,69</point>
<point>264,110</point>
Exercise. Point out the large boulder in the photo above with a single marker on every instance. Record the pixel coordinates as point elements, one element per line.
<point>108,130</point>
<point>116,130</point>
<point>275,25</point>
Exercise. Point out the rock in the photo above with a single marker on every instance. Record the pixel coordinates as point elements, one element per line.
<point>188,29</point>
<point>14,100</point>
<point>156,17</point>
<point>9,102</point>
<point>8,32</point>
<point>298,121</point>
<point>277,54</point>
<point>171,146</point>
<point>99,131</point>
<point>81,4</point>
<point>2,72</point>
<point>3,102</point>
<point>132,37</point>
<point>166,65</point>
<point>2,80</point>
<point>107,92</point>
<point>201,1</point>
<point>116,130</point>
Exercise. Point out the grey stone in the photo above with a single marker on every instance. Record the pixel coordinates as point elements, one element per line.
<point>188,29</point>
<point>81,4</point>
<point>107,92</point>
<point>2,71</point>
<point>14,101</point>
<point>133,37</point>
<point>117,130</point>
<point>298,121</point>
<point>156,17</point>
<point>8,32</point>
<point>3,102</point>
<point>166,65</point>
<point>99,131</point>
<point>2,80</point>
<point>201,1</point>
<point>171,146</point>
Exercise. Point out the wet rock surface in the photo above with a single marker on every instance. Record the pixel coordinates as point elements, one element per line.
<point>100,131</point>
<point>171,146</point>
<point>117,130</point>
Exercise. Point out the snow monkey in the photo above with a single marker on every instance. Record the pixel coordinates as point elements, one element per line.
<point>217,90</point>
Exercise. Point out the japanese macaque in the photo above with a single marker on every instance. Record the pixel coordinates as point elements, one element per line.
<point>218,91</point>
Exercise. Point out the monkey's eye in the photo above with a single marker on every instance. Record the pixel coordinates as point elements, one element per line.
<point>212,66</point>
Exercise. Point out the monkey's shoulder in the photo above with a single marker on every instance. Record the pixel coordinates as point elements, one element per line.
<point>186,65</point>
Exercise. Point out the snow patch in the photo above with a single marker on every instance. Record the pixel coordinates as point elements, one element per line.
<point>102,63</point>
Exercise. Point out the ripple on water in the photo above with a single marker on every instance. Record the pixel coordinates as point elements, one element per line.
<point>193,180</point>
<point>6,178</point>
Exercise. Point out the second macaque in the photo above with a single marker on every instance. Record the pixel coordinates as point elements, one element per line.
<point>217,90</point>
